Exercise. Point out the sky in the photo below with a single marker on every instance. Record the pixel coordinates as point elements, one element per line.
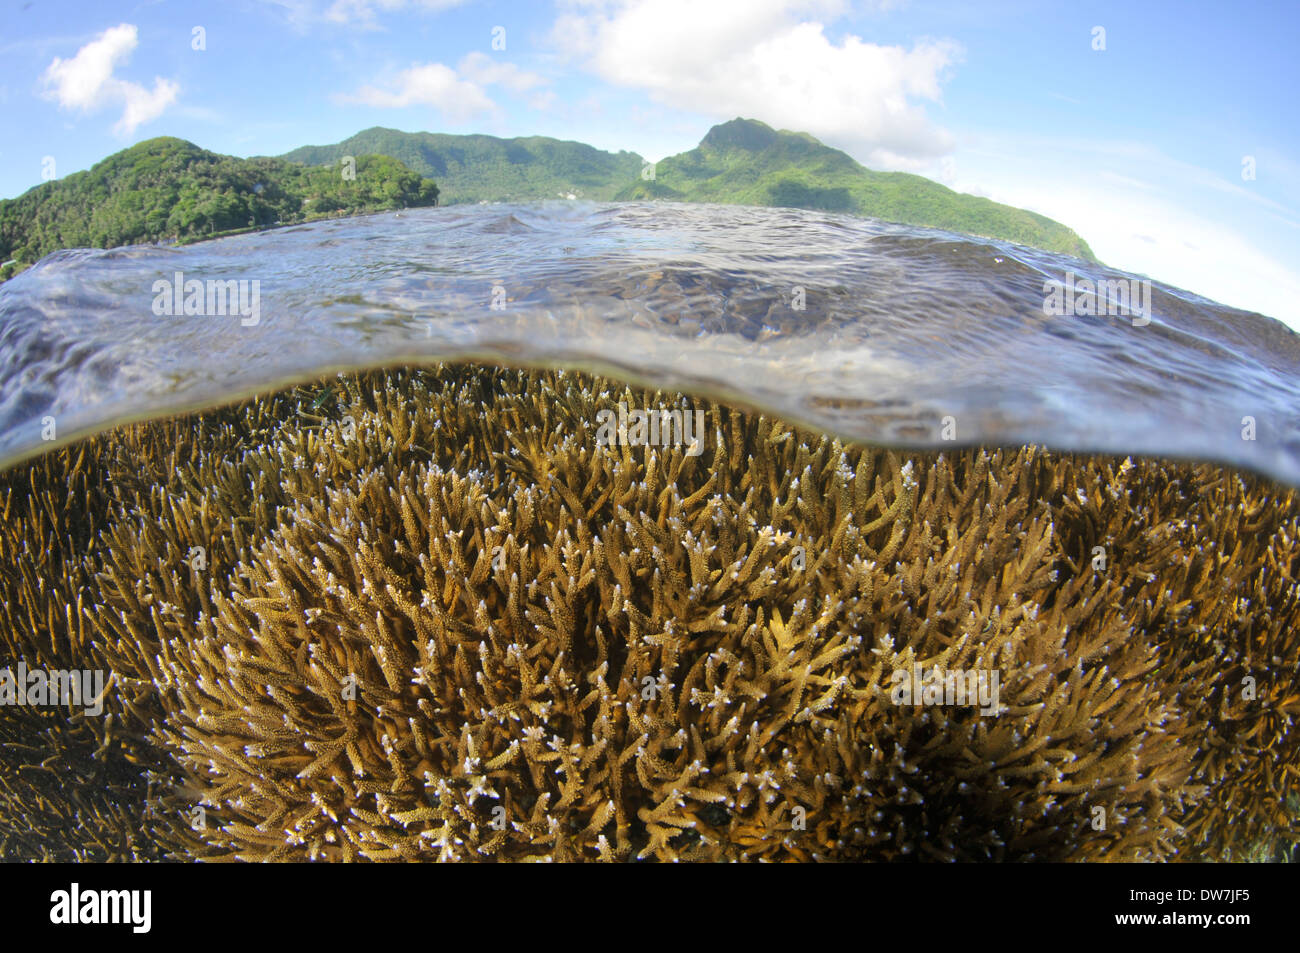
<point>1165,134</point>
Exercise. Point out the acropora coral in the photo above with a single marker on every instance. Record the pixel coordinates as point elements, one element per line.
<point>425,614</point>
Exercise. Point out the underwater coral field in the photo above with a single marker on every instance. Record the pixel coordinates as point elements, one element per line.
<point>429,615</point>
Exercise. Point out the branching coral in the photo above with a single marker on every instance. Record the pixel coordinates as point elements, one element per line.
<point>70,788</point>
<point>431,617</point>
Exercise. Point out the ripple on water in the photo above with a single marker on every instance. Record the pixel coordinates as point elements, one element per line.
<point>872,331</point>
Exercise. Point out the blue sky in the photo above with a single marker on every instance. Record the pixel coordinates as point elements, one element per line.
<point>1139,146</point>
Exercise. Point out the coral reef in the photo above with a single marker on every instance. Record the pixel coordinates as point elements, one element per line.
<point>426,615</point>
<point>70,786</point>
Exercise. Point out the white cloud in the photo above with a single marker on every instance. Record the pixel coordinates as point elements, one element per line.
<point>458,93</point>
<point>86,81</point>
<point>480,68</point>
<point>431,84</point>
<point>757,58</point>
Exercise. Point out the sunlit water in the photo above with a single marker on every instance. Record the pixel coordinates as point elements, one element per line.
<point>876,332</point>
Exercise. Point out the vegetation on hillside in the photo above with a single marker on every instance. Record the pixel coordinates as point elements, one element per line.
<point>478,168</point>
<point>170,189</point>
<point>741,162</point>
<point>745,162</point>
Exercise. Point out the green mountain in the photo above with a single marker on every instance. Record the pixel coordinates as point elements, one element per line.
<point>741,162</point>
<point>484,168</point>
<point>746,162</point>
<point>171,189</point>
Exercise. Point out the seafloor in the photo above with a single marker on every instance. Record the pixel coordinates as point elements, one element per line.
<point>427,615</point>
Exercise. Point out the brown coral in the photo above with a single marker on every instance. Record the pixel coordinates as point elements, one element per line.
<point>445,623</point>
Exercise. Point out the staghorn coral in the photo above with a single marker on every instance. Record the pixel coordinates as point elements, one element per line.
<point>69,785</point>
<point>442,622</point>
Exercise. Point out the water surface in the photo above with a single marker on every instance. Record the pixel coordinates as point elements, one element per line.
<point>876,332</point>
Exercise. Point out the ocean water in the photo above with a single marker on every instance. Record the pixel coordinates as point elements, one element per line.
<point>874,332</point>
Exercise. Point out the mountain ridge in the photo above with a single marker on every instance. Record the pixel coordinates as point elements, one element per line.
<point>747,162</point>
<point>741,161</point>
<point>481,168</point>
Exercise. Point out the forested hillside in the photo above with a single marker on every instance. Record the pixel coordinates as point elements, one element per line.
<point>741,162</point>
<point>745,162</point>
<point>168,188</point>
<point>476,168</point>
